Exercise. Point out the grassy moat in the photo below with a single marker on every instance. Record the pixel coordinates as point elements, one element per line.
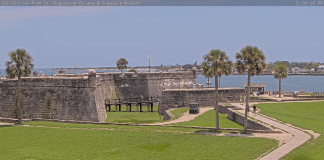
<point>133,117</point>
<point>50,140</point>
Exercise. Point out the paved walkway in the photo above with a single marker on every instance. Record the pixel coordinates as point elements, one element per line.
<point>6,124</point>
<point>186,117</point>
<point>299,136</point>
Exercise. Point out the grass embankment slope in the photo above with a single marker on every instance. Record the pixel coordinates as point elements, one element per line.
<point>134,117</point>
<point>208,120</point>
<point>306,115</point>
<point>144,117</point>
<point>50,140</point>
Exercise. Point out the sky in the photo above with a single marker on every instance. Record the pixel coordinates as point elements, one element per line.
<point>64,37</point>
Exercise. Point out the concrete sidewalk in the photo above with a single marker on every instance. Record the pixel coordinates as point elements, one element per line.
<point>6,124</point>
<point>299,136</point>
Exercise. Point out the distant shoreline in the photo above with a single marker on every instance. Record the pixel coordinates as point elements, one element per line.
<point>69,69</point>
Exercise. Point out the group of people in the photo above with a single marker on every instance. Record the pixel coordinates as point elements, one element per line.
<point>254,109</point>
<point>254,106</point>
<point>256,93</point>
<point>272,93</point>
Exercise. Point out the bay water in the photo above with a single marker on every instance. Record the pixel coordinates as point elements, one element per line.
<point>290,84</point>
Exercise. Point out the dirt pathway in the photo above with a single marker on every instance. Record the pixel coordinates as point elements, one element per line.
<point>185,117</point>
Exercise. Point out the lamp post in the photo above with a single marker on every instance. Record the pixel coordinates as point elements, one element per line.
<point>149,58</point>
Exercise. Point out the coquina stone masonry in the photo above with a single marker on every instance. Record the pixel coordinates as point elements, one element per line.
<point>82,96</point>
<point>132,85</point>
<point>178,98</point>
<point>67,98</point>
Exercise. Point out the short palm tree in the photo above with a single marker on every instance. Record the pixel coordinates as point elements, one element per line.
<point>280,73</point>
<point>207,71</point>
<point>133,70</point>
<point>122,64</point>
<point>220,64</point>
<point>251,59</point>
<point>20,64</point>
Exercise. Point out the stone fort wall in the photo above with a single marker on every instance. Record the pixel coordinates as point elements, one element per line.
<point>178,98</point>
<point>82,96</point>
<point>116,85</point>
<point>72,98</point>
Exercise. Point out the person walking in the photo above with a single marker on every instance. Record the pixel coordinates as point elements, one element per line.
<point>275,92</point>
<point>248,109</point>
<point>244,97</point>
<point>254,110</point>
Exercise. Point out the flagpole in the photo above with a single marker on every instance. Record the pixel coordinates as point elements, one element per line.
<point>149,62</point>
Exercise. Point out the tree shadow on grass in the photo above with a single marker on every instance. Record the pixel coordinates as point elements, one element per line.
<point>208,131</point>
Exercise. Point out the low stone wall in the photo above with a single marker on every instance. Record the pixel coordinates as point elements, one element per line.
<point>166,116</point>
<point>233,116</point>
<point>178,98</point>
<point>238,118</point>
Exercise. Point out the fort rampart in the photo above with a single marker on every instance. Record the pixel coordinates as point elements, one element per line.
<point>116,85</point>
<point>82,96</point>
<point>73,98</point>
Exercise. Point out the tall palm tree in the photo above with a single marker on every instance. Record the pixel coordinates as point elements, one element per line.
<point>220,64</point>
<point>251,59</point>
<point>280,73</point>
<point>20,64</point>
<point>122,64</point>
<point>207,71</point>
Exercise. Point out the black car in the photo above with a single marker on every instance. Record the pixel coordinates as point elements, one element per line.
<point>194,108</point>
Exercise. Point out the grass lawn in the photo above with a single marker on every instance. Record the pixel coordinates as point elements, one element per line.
<point>50,140</point>
<point>260,97</point>
<point>178,112</point>
<point>208,120</point>
<point>135,117</point>
<point>307,115</point>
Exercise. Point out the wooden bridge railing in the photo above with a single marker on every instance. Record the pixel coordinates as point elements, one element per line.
<point>129,101</point>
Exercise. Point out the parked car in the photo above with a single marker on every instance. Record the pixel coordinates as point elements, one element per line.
<point>194,108</point>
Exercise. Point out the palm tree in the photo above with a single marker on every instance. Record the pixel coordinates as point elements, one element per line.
<point>220,64</point>
<point>253,60</point>
<point>133,70</point>
<point>207,71</point>
<point>20,64</point>
<point>122,64</point>
<point>280,73</point>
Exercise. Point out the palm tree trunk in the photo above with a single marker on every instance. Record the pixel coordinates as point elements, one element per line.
<point>247,101</point>
<point>18,99</point>
<point>279,87</point>
<point>216,102</point>
<point>208,82</point>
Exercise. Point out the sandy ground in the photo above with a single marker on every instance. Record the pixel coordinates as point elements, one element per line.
<point>185,117</point>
